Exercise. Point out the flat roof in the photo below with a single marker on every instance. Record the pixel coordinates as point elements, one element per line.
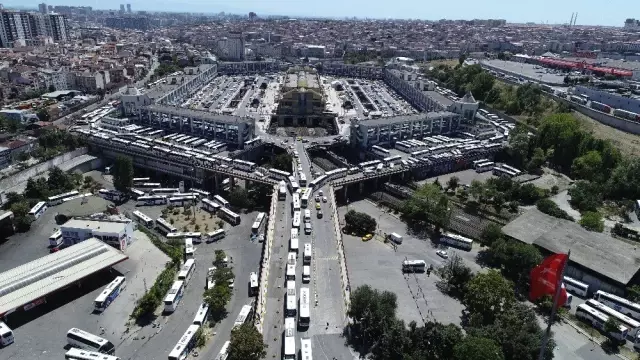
<point>96,225</point>
<point>198,114</point>
<point>31,281</point>
<point>439,98</point>
<point>406,118</point>
<point>597,252</point>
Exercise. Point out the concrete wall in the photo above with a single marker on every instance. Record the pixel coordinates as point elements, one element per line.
<point>607,119</point>
<point>261,305</point>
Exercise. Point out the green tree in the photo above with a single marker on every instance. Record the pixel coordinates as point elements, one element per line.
<point>217,299</point>
<point>633,293</point>
<point>22,219</point>
<point>372,312</point>
<point>393,344</point>
<point>455,276</point>
<point>123,173</point>
<point>219,258</point>
<point>585,196</point>
<point>477,348</point>
<point>239,198</point>
<point>487,295</point>
<point>481,85</point>
<point>58,181</point>
<point>549,207</point>
<point>432,341</point>
<point>587,166</point>
<point>611,326</point>
<point>43,115</point>
<point>453,183</point>
<point>491,233</point>
<point>246,343</point>
<point>427,205</point>
<point>359,223</point>
<point>624,180</point>
<point>282,162</point>
<point>592,221</point>
<point>537,160</point>
<point>36,188</point>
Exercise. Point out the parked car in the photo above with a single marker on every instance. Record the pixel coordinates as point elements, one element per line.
<point>443,254</point>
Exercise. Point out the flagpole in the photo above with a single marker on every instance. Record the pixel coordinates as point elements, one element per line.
<point>556,296</point>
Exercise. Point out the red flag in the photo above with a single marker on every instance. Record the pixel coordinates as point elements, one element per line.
<point>544,278</point>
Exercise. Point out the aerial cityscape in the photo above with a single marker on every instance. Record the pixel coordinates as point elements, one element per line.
<point>233,185</point>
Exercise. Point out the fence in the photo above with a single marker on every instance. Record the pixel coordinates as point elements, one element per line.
<point>264,264</point>
<point>344,273</point>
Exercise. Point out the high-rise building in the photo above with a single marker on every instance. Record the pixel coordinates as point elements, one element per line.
<point>57,27</point>
<point>121,8</point>
<point>232,47</point>
<point>23,28</point>
<point>43,8</point>
<point>129,8</point>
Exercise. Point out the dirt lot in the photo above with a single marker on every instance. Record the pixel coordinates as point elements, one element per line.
<point>203,221</point>
<point>627,143</point>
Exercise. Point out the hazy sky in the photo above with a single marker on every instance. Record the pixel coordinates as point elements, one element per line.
<point>591,12</point>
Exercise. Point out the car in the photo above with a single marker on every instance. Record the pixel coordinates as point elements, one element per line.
<point>317,206</point>
<point>320,214</point>
<point>232,283</point>
<point>324,199</point>
<point>367,237</point>
<point>443,254</point>
<point>317,198</point>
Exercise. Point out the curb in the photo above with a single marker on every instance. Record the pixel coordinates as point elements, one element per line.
<point>588,336</point>
<point>264,262</point>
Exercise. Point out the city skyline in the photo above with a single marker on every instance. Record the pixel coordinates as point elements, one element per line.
<point>403,9</point>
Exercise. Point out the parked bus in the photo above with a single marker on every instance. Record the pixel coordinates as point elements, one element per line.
<point>598,319</point>
<point>220,200</point>
<point>143,219</point>
<point>81,354</point>
<point>187,271</point>
<point>6,335</point>
<point>84,340</point>
<point>317,182</point>
<point>296,219</point>
<point>632,325</point>
<point>224,352</point>
<point>253,284</point>
<point>203,194</point>
<point>189,250</point>
<point>456,240</point>
<point>576,287</point>
<point>305,349</point>
<point>484,167</point>
<point>618,303</point>
<point>215,235</point>
<point>151,200</point>
<point>296,202</point>
<point>186,343</point>
<point>511,168</point>
<point>291,300</point>
<point>137,193</point>
<point>258,223</point>
<point>164,191</point>
<point>174,295</point>
<point>290,273</point>
<point>282,191</point>
<point>294,186</point>
<point>109,293</point>
<point>245,315</point>
<point>201,315</point>
<point>304,200</point>
<point>149,185</point>
<point>55,239</point>
<point>306,274</point>
<point>210,205</point>
<point>413,266</point>
<point>230,216</point>
<point>244,165</point>
<point>476,163</point>
<point>58,199</point>
<point>38,209</point>
<point>499,171</point>
<point>183,200</point>
<point>304,316</point>
<point>302,179</point>
<point>279,174</point>
<point>306,259</point>
<point>380,151</point>
<point>165,226</point>
<point>139,181</point>
<point>289,340</point>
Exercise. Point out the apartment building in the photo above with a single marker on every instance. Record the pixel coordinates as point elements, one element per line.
<point>19,28</point>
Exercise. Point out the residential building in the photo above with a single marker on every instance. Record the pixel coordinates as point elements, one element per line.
<point>5,158</point>
<point>43,8</point>
<point>115,232</point>
<point>57,27</point>
<point>232,47</point>
<point>129,8</point>
<point>128,22</point>
<point>19,28</point>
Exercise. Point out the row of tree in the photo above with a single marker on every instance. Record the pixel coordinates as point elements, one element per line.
<point>219,296</point>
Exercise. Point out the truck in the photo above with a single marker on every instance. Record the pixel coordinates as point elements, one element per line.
<point>395,238</point>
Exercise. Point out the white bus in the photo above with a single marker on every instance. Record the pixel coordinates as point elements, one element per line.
<point>220,200</point>
<point>210,205</point>
<point>174,295</point>
<point>305,349</point>
<point>38,209</point>
<point>414,266</point>
<point>197,236</point>
<point>306,259</point>
<point>244,315</point>
<point>289,342</point>
<point>290,273</point>
<point>137,193</point>
<point>244,165</point>
<point>109,293</point>
<point>139,181</point>
<point>576,287</point>
<point>294,245</point>
<point>58,199</point>
<point>164,191</point>
<point>143,219</point>
<point>317,182</point>
<point>306,274</point>
<point>632,325</point>
<point>149,185</point>
<point>282,191</point>
<point>511,168</point>
<point>598,319</point>
<point>456,240</point>
<point>484,167</point>
<point>55,239</point>
<point>6,334</point>
<point>84,340</point>
<point>291,300</point>
<point>304,316</point>
<point>478,162</point>
<point>258,223</point>
<point>211,272</point>
<point>296,219</point>
<point>302,179</point>
<point>186,343</point>
<point>203,194</point>
<point>189,250</point>
<point>80,354</point>
<point>201,315</point>
<point>165,226</point>
<point>224,352</point>
<point>618,303</point>
<point>307,215</point>
<point>151,200</point>
<point>187,270</point>
<point>304,200</point>
<point>278,174</point>
<point>296,202</point>
<point>253,284</point>
<point>215,235</point>
<point>183,200</point>
<point>230,216</point>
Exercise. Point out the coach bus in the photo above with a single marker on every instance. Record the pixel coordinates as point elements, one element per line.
<point>38,209</point>
<point>183,200</point>
<point>55,239</point>
<point>618,303</point>
<point>576,287</point>
<point>203,194</point>
<point>485,166</point>
<point>244,165</point>
<point>296,202</point>
<point>289,341</point>
<point>282,191</point>
<point>109,293</point>
<point>278,174</point>
<point>143,219</point>
<point>164,191</point>
<point>165,226</point>
<point>411,266</point>
<point>189,250</point>
<point>253,284</point>
<point>149,185</point>
<point>80,354</point>
<point>296,219</point>
<point>456,240</point>
<point>230,216</point>
<point>186,343</point>
<point>140,181</point>
<point>380,151</point>
<point>57,199</point>
<point>258,223</point>
<point>151,200</point>
<point>201,315</point>
<point>291,301</point>
<point>174,295</point>
<point>305,349</point>
<point>224,352</point>
<point>137,193</point>
<point>632,325</point>
<point>245,314</point>
<point>511,168</point>
<point>317,182</point>
<point>187,271</point>
<point>84,340</point>
<point>220,200</point>
<point>210,205</point>
<point>304,315</point>
<point>598,319</point>
<point>302,179</point>
<point>304,200</point>
<point>215,235</point>
<point>499,171</point>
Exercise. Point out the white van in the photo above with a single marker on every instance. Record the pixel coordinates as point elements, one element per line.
<point>395,238</point>
<point>306,274</point>
<point>307,228</point>
<point>307,215</point>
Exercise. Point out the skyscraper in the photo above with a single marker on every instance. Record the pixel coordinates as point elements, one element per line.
<point>19,27</point>
<point>129,8</point>
<point>121,8</point>
<point>43,8</point>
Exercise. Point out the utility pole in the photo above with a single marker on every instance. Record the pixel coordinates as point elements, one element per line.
<point>547,333</point>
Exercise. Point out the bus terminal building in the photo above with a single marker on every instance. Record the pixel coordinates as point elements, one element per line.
<point>597,259</point>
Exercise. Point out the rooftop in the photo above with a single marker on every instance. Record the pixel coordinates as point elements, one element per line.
<point>31,281</point>
<point>439,98</point>
<point>302,79</point>
<point>198,114</point>
<point>597,252</point>
<point>406,118</point>
<point>101,226</point>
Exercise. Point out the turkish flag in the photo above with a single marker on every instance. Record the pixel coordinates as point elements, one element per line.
<point>544,278</point>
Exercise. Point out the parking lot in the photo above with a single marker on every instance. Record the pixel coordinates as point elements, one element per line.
<point>465,177</point>
<point>376,264</point>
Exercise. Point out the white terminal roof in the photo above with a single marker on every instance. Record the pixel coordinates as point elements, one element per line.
<point>97,226</point>
<point>31,281</point>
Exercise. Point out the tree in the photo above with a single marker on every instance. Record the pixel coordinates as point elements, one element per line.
<point>43,115</point>
<point>371,312</point>
<point>246,343</point>
<point>585,196</point>
<point>592,221</point>
<point>611,326</point>
<point>217,299</point>
<point>488,294</point>
<point>537,160</point>
<point>282,162</point>
<point>239,198</point>
<point>477,348</point>
<point>393,344</point>
<point>587,166</point>
<point>22,219</point>
<point>633,293</point>
<point>359,223</point>
<point>51,88</point>
<point>219,258</point>
<point>36,189</point>
<point>123,173</point>
<point>490,234</point>
<point>427,205</point>
<point>58,181</point>
<point>549,207</point>
<point>481,85</point>
<point>433,340</point>
<point>453,183</point>
<point>455,276</point>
